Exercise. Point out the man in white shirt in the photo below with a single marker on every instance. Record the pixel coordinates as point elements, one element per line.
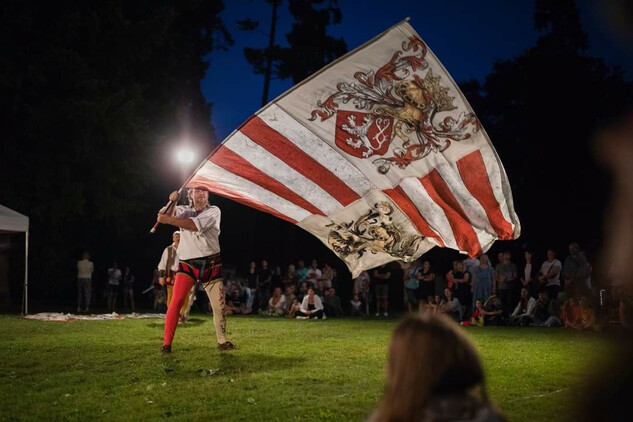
<point>85,268</point>
<point>168,265</point>
<point>313,274</point>
<point>199,255</point>
<point>549,276</point>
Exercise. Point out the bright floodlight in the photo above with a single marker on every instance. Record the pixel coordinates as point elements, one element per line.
<point>185,156</point>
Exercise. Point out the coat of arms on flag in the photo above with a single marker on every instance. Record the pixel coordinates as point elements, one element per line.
<point>378,155</point>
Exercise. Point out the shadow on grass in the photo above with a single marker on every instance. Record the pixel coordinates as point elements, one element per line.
<point>193,322</point>
<point>230,364</point>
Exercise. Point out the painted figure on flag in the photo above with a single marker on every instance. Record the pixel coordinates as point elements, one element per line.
<point>402,99</point>
<point>373,232</point>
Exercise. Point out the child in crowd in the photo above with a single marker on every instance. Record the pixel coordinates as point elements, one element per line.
<point>571,314</point>
<point>294,307</point>
<point>356,306</point>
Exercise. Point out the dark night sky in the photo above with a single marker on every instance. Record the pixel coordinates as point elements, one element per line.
<point>467,36</point>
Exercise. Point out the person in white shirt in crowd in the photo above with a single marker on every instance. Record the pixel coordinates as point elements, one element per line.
<point>327,275</point>
<point>549,276</point>
<point>524,312</point>
<point>528,275</point>
<point>85,268</point>
<point>357,309</point>
<point>311,307</point>
<point>277,303</point>
<point>114,278</point>
<point>168,265</point>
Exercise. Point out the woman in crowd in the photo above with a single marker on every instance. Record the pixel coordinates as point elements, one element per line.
<point>433,374</point>
<point>311,306</point>
<point>128,288</point>
<point>528,275</point>
<point>427,285</point>
<point>484,280</point>
<point>524,311</point>
<point>493,311</point>
<point>251,285</point>
<point>461,278</point>
<point>450,306</point>
<point>412,284</point>
<point>277,303</point>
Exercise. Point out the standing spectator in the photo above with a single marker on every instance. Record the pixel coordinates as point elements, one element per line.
<point>327,275</point>
<point>449,276</point>
<point>450,306</point>
<point>303,291</point>
<point>382,275</point>
<point>412,284</point>
<point>311,306</point>
<point>471,265</point>
<point>524,311</point>
<point>168,265</point>
<point>160,298</point>
<point>549,275</point>
<point>277,303</point>
<point>357,306</point>
<point>576,273</point>
<point>314,274</point>
<point>361,288</point>
<point>332,304</point>
<point>85,268</point>
<point>301,272</point>
<point>114,278</point>
<point>252,277</point>
<point>528,275</point>
<point>426,290</point>
<point>483,281</point>
<point>128,288</point>
<point>265,284</point>
<point>461,279</point>
<point>432,372</point>
<point>276,278</point>
<point>506,276</point>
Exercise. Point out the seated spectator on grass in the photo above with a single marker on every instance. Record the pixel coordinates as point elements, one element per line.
<point>450,306</point>
<point>433,374</point>
<point>576,273</point>
<point>449,276</point>
<point>524,311</point>
<point>293,309</point>
<point>332,304</point>
<point>432,304</point>
<point>545,312</point>
<point>571,313</point>
<point>588,319</point>
<point>276,278</point>
<point>320,290</point>
<point>311,307</point>
<point>477,318</point>
<point>235,303</point>
<point>357,306</point>
<point>277,303</point>
<point>290,294</point>
<point>493,311</point>
<point>303,291</point>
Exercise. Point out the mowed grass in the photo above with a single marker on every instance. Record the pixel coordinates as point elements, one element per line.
<point>283,370</point>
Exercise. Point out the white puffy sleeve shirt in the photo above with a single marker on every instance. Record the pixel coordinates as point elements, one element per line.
<point>205,240</point>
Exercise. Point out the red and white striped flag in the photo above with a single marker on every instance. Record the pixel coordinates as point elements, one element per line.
<point>378,155</point>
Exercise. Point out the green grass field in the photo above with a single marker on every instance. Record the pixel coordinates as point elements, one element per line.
<point>283,370</point>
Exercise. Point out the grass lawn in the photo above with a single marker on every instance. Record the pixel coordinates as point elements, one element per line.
<point>283,370</point>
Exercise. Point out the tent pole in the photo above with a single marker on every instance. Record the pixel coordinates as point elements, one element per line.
<point>25,301</point>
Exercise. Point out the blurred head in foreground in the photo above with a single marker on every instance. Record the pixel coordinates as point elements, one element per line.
<point>433,373</point>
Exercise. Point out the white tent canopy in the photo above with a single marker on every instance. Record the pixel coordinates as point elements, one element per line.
<point>14,222</point>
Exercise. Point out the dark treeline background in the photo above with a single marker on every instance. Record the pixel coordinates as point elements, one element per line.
<point>91,93</point>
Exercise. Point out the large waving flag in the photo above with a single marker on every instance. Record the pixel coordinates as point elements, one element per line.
<point>378,155</point>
